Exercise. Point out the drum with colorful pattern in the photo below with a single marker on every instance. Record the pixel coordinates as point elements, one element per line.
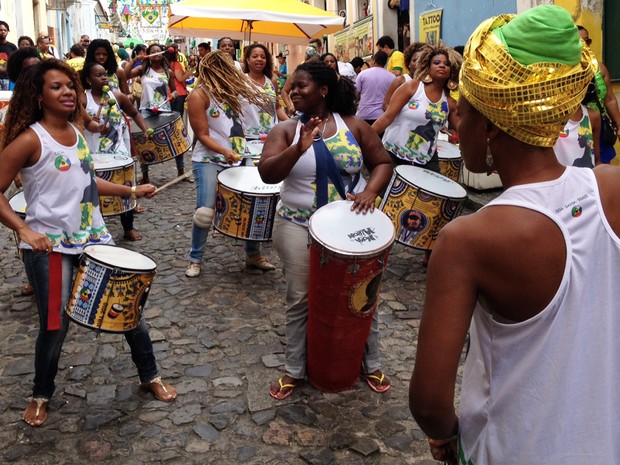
<point>420,203</point>
<point>110,288</point>
<point>118,169</point>
<point>169,139</point>
<point>245,206</point>
<point>348,254</point>
<point>450,160</point>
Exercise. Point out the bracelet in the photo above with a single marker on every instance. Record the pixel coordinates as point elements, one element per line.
<point>133,192</point>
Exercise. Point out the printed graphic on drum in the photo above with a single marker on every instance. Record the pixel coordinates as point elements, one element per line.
<point>420,203</point>
<point>119,169</point>
<point>450,160</point>
<point>168,140</point>
<point>111,288</point>
<point>245,206</point>
<point>348,254</point>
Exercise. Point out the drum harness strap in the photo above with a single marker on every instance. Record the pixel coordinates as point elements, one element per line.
<point>326,168</point>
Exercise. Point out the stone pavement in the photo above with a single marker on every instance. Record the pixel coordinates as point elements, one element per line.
<point>219,339</point>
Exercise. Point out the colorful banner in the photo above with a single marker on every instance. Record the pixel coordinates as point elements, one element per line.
<point>355,41</point>
<point>430,26</point>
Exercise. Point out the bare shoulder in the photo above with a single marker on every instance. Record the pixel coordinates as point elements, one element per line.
<point>608,179</point>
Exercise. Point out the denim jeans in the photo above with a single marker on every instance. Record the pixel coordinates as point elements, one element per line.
<point>49,343</point>
<point>178,160</point>
<point>205,176</point>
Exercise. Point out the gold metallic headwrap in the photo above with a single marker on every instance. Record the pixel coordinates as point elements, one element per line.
<point>531,103</point>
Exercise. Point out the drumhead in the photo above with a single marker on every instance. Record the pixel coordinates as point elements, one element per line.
<point>246,179</point>
<point>110,161</point>
<point>5,95</point>
<point>343,231</point>
<point>446,150</point>
<point>117,257</point>
<point>154,122</point>
<point>255,147</point>
<point>18,203</point>
<point>430,181</point>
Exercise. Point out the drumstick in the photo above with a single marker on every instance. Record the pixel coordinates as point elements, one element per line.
<point>173,182</point>
<point>104,97</point>
<point>155,54</point>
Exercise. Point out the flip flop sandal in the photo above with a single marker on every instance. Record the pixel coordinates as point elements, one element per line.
<point>40,401</point>
<point>159,390</point>
<point>279,395</point>
<point>378,388</point>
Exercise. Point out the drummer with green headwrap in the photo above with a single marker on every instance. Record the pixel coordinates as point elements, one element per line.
<point>532,277</point>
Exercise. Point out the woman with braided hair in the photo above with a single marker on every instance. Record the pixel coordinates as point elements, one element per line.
<point>214,108</point>
<point>420,108</point>
<point>289,156</point>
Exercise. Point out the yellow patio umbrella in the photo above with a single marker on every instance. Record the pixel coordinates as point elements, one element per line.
<point>283,21</point>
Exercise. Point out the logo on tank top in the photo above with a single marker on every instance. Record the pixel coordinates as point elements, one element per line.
<point>564,133</point>
<point>413,105</point>
<point>576,211</point>
<point>62,163</point>
<point>214,113</point>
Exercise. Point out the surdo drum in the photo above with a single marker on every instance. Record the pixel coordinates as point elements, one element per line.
<point>254,148</point>
<point>110,288</point>
<point>348,254</point>
<point>168,140</point>
<point>118,169</point>
<point>245,206</point>
<point>450,160</point>
<point>420,203</point>
<point>18,205</point>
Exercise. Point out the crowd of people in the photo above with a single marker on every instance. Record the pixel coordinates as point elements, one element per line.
<point>334,130</point>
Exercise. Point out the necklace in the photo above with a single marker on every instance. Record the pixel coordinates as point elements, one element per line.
<point>325,124</point>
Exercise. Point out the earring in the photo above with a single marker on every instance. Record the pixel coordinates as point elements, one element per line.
<point>452,85</point>
<point>427,79</point>
<point>489,158</point>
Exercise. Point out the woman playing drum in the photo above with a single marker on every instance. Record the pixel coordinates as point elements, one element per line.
<point>43,143</point>
<point>158,89</point>
<point>420,108</point>
<point>109,139</point>
<point>289,155</point>
<point>214,107</point>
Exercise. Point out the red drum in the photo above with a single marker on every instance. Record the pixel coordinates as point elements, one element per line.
<point>348,253</point>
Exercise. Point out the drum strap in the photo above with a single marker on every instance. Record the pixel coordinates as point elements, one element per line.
<point>325,168</point>
<point>54,296</point>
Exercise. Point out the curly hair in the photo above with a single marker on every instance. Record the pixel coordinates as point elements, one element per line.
<point>423,63</point>
<point>25,108</point>
<point>268,70</point>
<point>16,61</point>
<point>110,65</point>
<point>412,50</point>
<point>341,97</point>
<point>219,77</point>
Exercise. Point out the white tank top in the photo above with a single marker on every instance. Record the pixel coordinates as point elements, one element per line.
<point>113,141</point>
<point>575,146</point>
<point>546,391</point>
<point>61,195</point>
<point>412,136</point>
<point>255,121</point>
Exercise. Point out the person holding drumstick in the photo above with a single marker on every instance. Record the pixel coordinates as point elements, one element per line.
<point>255,121</point>
<point>157,80</point>
<point>110,124</point>
<point>536,268</point>
<point>328,106</point>
<point>213,108</point>
<point>42,141</point>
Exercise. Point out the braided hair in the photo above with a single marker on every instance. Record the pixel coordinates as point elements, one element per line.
<point>341,97</point>
<point>218,76</point>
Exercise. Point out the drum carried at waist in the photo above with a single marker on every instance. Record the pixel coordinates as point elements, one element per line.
<point>18,205</point>
<point>5,99</point>
<point>450,160</point>
<point>169,139</point>
<point>110,288</point>
<point>254,148</point>
<point>420,203</point>
<point>118,169</point>
<point>245,206</point>
<point>348,254</point>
